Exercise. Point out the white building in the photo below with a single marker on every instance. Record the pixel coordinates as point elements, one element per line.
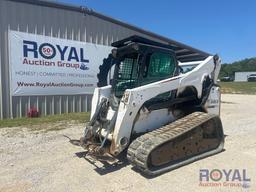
<point>242,76</point>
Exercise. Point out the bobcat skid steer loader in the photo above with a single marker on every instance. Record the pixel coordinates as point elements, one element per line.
<point>162,105</point>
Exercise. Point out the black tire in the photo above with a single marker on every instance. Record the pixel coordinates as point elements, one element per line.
<point>104,70</point>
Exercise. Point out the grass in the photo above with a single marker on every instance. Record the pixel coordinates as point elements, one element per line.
<point>46,121</point>
<point>248,88</point>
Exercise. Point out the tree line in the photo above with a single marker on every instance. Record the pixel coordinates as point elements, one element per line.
<point>245,65</point>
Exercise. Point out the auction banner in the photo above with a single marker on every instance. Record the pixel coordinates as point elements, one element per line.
<point>42,65</point>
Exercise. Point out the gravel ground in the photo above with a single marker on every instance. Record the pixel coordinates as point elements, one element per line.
<point>46,161</point>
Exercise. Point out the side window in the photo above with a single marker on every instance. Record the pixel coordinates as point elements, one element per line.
<point>160,66</point>
<point>128,69</point>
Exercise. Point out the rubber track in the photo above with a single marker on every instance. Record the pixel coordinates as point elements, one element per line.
<point>140,149</point>
<point>104,70</point>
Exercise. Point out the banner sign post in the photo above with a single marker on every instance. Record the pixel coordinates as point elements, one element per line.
<point>42,65</point>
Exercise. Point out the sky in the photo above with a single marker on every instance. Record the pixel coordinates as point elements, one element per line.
<point>225,27</point>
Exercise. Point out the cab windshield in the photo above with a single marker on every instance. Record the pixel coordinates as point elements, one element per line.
<point>134,70</point>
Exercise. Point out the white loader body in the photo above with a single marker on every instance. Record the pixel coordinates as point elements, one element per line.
<point>132,118</point>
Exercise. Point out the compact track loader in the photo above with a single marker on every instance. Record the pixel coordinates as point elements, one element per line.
<point>161,104</point>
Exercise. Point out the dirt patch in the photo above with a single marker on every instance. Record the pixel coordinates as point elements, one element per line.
<point>16,187</point>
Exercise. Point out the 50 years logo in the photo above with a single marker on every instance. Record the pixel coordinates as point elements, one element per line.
<point>54,55</point>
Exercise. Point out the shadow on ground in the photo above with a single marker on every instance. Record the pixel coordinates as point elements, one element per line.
<point>228,102</point>
<point>106,166</point>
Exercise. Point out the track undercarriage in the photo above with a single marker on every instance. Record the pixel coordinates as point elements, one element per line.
<point>188,139</point>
